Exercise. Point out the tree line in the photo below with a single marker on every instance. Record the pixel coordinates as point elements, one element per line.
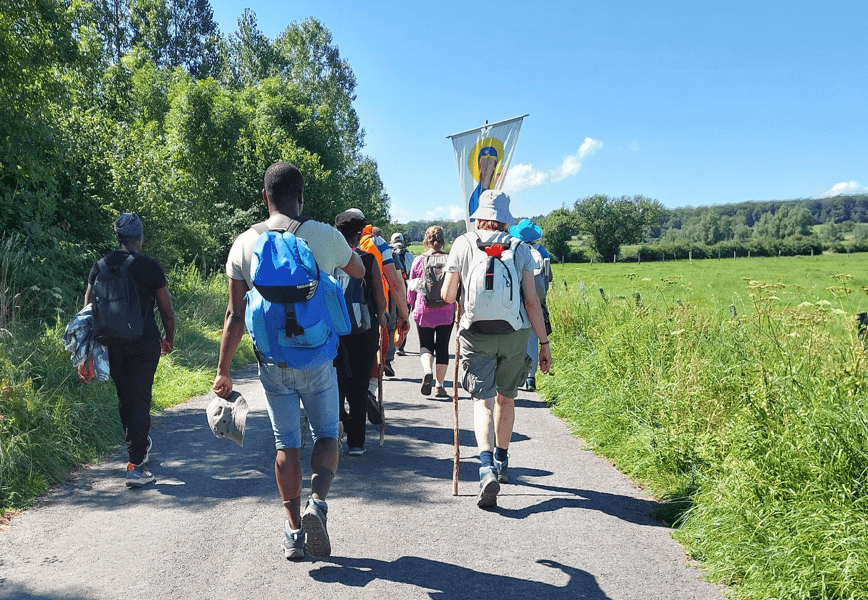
<point>147,107</point>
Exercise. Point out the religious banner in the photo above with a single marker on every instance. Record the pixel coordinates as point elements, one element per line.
<point>483,157</point>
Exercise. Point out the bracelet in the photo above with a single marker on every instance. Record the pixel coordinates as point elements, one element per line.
<point>543,343</point>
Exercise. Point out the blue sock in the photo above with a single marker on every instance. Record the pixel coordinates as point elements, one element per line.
<point>486,459</point>
<point>500,454</point>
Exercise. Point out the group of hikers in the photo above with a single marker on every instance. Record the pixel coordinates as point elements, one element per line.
<point>493,282</point>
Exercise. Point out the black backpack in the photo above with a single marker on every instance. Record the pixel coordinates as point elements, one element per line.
<point>433,273</point>
<point>117,311</point>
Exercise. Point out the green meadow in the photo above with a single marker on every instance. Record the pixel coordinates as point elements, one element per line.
<point>735,390</point>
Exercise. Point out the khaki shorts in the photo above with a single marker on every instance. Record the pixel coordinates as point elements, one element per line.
<point>493,364</point>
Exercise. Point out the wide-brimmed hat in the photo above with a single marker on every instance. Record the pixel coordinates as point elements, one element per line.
<point>493,206</point>
<point>228,417</point>
<point>526,230</point>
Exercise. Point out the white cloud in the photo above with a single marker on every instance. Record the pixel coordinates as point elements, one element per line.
<point>845,187</point>
<point>522,177</point>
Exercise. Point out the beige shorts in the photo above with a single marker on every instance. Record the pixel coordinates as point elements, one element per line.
<point>493,364</point>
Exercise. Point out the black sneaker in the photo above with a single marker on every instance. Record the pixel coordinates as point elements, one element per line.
<point>426,384</point>
<point>374,414</point>
<point>388,370</point>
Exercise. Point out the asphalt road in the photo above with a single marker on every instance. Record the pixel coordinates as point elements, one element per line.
<point>570,526</point>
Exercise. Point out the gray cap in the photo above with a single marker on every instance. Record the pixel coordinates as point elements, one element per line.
<point>128,226</point>
<point>228,416</point>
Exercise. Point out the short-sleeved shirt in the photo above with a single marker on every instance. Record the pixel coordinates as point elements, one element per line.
<point>149,277</point>
<point>463,249</point>
<point>329,247</point>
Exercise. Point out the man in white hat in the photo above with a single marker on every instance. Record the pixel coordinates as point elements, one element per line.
<point>492,266</point>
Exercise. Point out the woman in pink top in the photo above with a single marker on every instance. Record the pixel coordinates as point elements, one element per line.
<point>433,317</point>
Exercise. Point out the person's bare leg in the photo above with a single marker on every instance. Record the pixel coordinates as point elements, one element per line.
<point>441,374</point>
<point>323,465</point>
<point>287,472</point>
<point>504,420</point>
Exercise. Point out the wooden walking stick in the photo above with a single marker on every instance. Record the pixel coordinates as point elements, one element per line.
<point>384,347</point>
<point>457,451</point>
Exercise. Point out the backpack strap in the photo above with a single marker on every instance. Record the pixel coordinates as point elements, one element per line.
<point>295,223</point>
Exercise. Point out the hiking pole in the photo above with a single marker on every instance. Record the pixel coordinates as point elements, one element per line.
<point>384,347</point>
<point>457,452</point>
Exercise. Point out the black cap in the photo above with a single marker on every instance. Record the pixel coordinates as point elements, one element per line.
<point>349,223</point>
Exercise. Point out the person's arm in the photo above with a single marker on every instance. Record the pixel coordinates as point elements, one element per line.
<point>449,291</point>
<point>537,321</point>
<point>233,331</point>
<point>399,294</point>
<point>355,268</point>
<point>88,295</point>
<point>379,294</point>
<point>167,316</point>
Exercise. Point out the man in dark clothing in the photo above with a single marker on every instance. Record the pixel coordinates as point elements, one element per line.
<point>358,352</point>
<point>134,363</point>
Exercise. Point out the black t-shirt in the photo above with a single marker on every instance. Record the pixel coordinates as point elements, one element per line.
<point>149,277</point>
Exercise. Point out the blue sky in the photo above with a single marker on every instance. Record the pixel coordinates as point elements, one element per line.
<point>689,103</point>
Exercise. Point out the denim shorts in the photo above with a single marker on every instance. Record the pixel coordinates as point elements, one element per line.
<point>493,364</point>
<point>315,387</point>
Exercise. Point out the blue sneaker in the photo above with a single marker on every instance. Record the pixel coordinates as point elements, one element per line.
<point>138,476</point>
<point>293,543</point>
<point>502,470</point>
<point>313,522</point>
<point>488,489</point>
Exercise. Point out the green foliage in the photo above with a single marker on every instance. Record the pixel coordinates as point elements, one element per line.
<point>736,390</point>
<point>613,222</point>
<point>558,229</point>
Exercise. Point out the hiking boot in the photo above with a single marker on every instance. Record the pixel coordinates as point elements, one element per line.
<point>502,470</point>
<point>374,414</point>
<point>313,522</point>
<point>138,476</point>
<point>388,370</point>
<point>400,352</point>
<point>488,489</point>
<point>356,451</point>
<point>148,450</point>
<point>530,384</point>
<point>441,392</point>
<point>293,543</point>
<point>426,384</point>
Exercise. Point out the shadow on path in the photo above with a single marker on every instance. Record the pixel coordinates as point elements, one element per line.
<point>451,581</point>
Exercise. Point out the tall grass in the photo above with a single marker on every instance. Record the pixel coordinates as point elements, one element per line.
<point>50,422</point>
<point>749,422</point>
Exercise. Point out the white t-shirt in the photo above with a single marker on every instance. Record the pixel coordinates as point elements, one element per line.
<point>328,245</point>
<point>463,249</point>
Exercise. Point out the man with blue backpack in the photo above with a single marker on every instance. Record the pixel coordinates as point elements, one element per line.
<point>281,288</point>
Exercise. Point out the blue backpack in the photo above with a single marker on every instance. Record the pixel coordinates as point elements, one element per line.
<point>295,311</point>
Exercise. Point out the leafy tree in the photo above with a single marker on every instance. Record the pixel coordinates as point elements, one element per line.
<point>558,229</point>
<point>612,222</point>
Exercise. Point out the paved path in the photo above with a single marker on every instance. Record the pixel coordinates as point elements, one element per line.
<point>569,527</point>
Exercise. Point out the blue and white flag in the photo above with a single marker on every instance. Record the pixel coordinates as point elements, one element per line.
<point>483,156</point>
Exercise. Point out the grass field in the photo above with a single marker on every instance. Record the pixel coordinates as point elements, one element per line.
<point>750,422</point>
<point>719,283</point>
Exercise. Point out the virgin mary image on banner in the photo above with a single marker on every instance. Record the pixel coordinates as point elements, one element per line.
<point>483,157</point>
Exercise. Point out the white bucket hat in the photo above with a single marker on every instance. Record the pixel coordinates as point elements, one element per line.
<point>493,206</point>
<point>228,416</point>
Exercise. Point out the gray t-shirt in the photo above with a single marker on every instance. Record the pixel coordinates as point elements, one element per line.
<point>463,249</point>
<point>328,245</point>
